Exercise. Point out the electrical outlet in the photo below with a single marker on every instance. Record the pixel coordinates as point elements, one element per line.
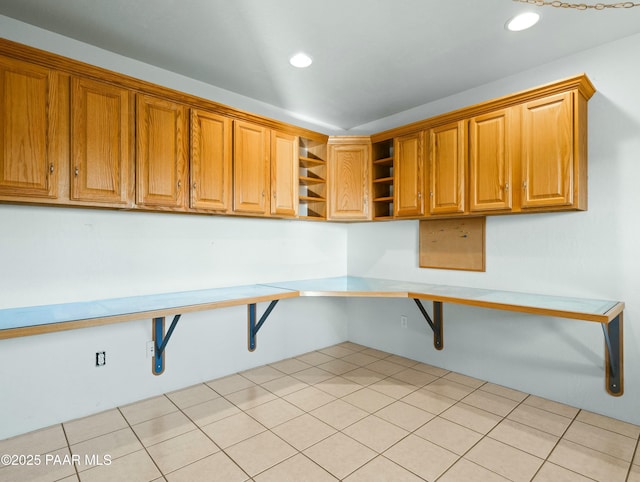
<point>151,349</point>
<point>403,321</point>
<point>101,358</point>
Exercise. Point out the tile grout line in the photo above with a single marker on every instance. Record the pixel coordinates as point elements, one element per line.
<point>636,453</point>
<point>66,437</point>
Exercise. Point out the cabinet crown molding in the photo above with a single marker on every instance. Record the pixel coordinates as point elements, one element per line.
<point>579,82</point>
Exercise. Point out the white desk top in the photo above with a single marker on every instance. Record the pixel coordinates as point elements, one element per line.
<point>91,313</point>
<point>41,319</point>
<point>562,306</point>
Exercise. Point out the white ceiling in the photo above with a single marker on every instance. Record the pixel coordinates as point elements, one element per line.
<point>372,58</point>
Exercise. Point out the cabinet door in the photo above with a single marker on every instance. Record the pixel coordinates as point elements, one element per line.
<point>547,151</point>
<point>161,128</point>
<point>33,129</point>
<point>447,157</point>
<point>284,174</point>
<point>250,169</point>
<point>210,161</point>
<point>349,181</point>
<point>490,142</point>
<point>101,142</point>
<point>408,181</point>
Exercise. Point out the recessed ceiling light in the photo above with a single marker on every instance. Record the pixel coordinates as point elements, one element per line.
<point>523,21</point>
<point>300,60</point>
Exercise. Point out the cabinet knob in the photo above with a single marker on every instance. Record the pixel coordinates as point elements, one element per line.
<point>51,169</point>
<point>195,185</point>
<point>76,171</point>
<point>506,186</point>
<point>419,195</point>
<point>179,184</point>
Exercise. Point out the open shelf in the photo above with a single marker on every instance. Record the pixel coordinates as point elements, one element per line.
<point>383,180</point>
<point>312,194</point>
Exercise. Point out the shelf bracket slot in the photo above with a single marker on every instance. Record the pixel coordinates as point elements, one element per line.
<point>254,327</point>
<point>613,343</point>
<point>435,324</point>
<point>160,340</point>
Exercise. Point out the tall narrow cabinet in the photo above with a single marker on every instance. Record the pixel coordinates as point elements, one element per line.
<point>34,118</point>
<point>349,178</point>
<point>491,141</point>
<point>161,154</point>
<point>447,168</point>
<point>210,168</point>
<point>251,170</point>
<point>101,143</point>
<point>409,175</point>
<point>284,174</point>
<point>548,151</point>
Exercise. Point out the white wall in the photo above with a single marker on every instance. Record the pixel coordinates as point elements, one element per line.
<point>54,255</point>
<point>588,254</point>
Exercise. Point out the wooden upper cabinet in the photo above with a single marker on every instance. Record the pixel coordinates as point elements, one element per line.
<point>548,151</point>
<point>211,150</point>
<point>447,168</point>
<point>490,161</point>
<point>161,154</point>
<point>408,180</point>
<point>101,143</point>
<point>284,174</point>
<point>34,118</point>
<point>251,171</point>
<point>349,179</point>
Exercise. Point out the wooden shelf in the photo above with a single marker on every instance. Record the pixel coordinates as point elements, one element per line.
<point>311,161</point>
<point>312,180</point>
<point>306,180</point>
<point>383,180</point>
<point>309,199</point>
<point>387,161</point>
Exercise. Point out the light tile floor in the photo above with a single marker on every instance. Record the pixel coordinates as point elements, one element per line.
<point>346,412</point>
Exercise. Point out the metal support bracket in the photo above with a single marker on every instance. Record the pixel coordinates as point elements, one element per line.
<point>613,356</point>
<point>255,327</point>
<point>435,324</point>
<point>160,340</point>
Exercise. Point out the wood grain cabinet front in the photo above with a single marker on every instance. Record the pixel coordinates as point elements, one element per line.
<point>409,175</point>
<point>101,143</point>
<point>349,179</point>
<point>161,154</point>
<point>551,160</point>
<point>211,161</point>
<point>251,169</point>
<point>284,174</point>
<point>34,118</point>
<point>491,142</point>
<point>447,168</point>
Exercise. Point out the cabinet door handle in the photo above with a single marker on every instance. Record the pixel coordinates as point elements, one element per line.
<point>76,172</point>
<point>506,187</point>
<point>419,195</point>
